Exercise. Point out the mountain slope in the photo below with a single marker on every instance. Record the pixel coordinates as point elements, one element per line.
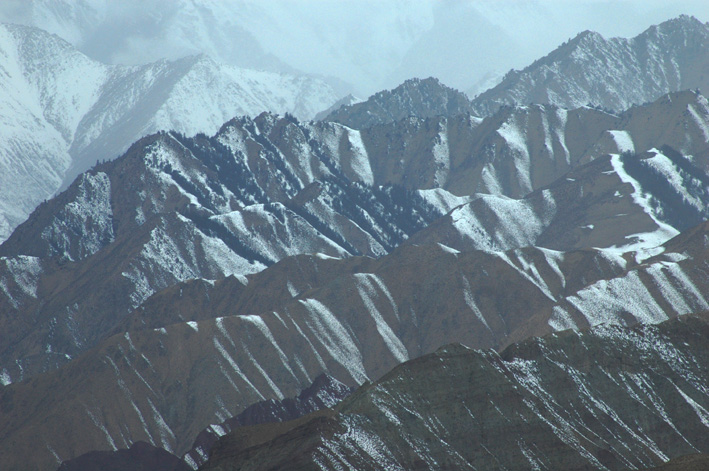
<point>610,73</point>
<point>325,392</point>
<point>139,457</point>
<point>176,208</point>
<point>656,192</point>
<point>229,345</point>
<point>612,398</point>
<point>524,148</point>
<point>62,111</point>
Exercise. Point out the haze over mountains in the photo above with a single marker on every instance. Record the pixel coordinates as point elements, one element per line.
<point>62,111</point>
<point>112,106</point>
<point>206,278</point>
<point>369,44</point>
<point>592,70</point>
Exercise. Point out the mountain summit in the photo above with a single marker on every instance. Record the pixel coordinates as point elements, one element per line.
<point>422,98</point>
<point>610,73</point>
<point>60,111</point>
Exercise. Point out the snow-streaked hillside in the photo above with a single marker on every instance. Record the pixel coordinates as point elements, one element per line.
<point>648,167</point>
<point>608,399</point>
<point>262,189</point>
<point>175,208</point>
<point>62,112</point>
<point>610,73</point>
<point>226,343</point>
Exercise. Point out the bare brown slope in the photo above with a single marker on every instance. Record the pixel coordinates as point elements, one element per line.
<point>165,383</point>
<point>694,462</point>
<point>140,456</point>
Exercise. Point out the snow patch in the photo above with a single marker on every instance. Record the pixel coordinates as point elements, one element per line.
<point>623,141</point>
<point>644,240</point>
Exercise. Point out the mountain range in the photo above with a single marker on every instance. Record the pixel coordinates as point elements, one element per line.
<point>228,344</point>
<point>610,73</point>
<point>610,398</point>
<point>175,208</point>
<point>588,70</point>
<point>175,297</point>
<point>62,112</point>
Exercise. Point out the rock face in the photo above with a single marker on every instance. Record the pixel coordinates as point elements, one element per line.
<point>324,393</point>
<point>140,456</point>
<point>61,111</point>
<point>611,398</point>
<point>610,73</point>
<point>416,97</point>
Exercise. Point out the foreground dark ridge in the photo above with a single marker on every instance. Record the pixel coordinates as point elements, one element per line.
<point>611,398</point>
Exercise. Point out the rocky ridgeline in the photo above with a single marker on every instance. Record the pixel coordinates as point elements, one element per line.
<point>612,398</point>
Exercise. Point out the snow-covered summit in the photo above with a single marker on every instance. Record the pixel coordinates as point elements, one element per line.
<point>61,111</point>
<point>610,73</point>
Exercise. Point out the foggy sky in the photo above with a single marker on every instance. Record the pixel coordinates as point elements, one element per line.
<point>369,44</point>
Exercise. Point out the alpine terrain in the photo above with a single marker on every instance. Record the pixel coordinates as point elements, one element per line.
<point>610,73</point>
<point>413,281</point>
<point>61,111</point>
<point>610,398</point>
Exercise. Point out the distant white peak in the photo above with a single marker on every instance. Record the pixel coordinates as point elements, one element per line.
<point>682,22</point>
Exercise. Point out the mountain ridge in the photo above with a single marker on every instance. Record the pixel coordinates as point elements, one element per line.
<point>63,111</point>
<point>422,98</point>
<point>610,73</point>
<point>566,400</point>
<point>241,350</point>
